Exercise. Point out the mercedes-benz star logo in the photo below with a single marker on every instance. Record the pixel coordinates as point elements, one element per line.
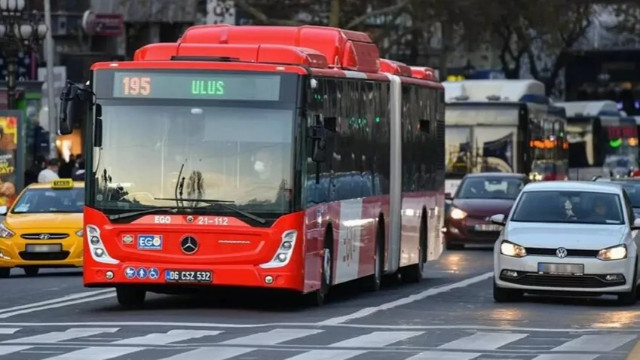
<point>189,245</point>
<point>44,236</point>
<point>561,252</point>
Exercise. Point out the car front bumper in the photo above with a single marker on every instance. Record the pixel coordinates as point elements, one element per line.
<point>599,276</point>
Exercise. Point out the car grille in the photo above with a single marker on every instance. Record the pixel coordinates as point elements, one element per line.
<point>570,252</point>
<point>50,256</point>
<point>44,236</point>
<point>566,281</point>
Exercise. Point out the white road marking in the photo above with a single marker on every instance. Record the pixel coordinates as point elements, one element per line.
<point>598,343</point>
<point>376,339</point>
<point>565,357</point>
<point>441,355</point>
<point>218,353</point>
<point>275,336</point>
<point>405,300</point>
<point>62,299</point>
<point>6,349</point>
<point>97,353</point>
<point>327,355</point>
<point>57,305</point>
<point>314,325</point>
<point>56,336</point>
<point>8,330</point>
<point>168,337</point>
<point>482,341</point>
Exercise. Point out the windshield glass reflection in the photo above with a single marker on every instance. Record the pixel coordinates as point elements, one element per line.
<point>569,207</point>
<point>50,201</point>
<point>240,155</point>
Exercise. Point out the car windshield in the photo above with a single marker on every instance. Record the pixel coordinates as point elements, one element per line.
<point>490,188</point>
<point>584,207</point>
<point>50,201</point>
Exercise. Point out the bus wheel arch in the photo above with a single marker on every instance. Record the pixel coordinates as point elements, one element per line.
<point>413,272</point>
<point>374,281</point>
<point>318,297</point>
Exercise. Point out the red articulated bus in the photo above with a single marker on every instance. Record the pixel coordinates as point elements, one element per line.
<point>289,158</point>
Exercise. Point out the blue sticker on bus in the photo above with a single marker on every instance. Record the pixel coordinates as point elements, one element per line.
<point>149,242</point>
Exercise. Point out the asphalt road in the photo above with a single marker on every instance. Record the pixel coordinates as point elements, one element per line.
<point>450,315</point>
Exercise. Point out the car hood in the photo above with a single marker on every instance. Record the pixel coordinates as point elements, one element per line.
<point>570,236</point>
<point>484,207</point>
<point>49,220</point>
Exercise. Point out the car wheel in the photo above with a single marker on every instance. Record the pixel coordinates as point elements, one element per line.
<point>5,272</point>
<point>630,297</point>
<point>505,295</point>
<point>130,298</point>
<point>450,246</point>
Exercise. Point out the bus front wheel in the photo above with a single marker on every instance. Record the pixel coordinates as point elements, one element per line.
<point>130,298</point>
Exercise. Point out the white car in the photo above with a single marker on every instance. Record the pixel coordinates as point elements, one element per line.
<point>568,237</point>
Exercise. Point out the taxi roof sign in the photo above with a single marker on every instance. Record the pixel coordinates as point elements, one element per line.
<point>62,184</point>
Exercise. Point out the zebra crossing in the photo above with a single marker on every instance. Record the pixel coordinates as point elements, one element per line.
<point>306,343</point>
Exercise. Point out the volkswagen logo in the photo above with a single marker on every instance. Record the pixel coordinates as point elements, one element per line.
<point>561,252</point>
<point>44,236</point>
<point>189,245</point>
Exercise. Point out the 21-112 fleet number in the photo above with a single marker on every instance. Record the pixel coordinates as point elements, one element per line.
<point>134,85</point>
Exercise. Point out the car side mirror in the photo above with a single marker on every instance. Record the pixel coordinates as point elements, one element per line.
<point>498,219</point>
<point>635,226</point>
<point>3,210</point>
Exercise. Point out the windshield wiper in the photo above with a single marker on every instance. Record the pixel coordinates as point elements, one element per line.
<point>141,212</point>
<point>222,203</point>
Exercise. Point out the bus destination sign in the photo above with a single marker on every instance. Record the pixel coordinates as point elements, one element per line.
<point>194,86</point>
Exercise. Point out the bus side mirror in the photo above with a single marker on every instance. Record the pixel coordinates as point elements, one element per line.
<point>73,101</point>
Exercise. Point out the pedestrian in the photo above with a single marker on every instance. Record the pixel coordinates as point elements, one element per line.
<point>50,173</point>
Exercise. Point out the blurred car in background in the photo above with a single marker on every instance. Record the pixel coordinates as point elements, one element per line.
<point>478,197</point>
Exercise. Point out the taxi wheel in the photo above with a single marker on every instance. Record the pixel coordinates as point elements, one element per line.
<point>31,271</point>
<point>130,298</point>
<point>505,295</point>
<point>5,272</point>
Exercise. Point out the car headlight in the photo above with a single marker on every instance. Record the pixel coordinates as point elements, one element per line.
<point>5,233</point>
<point>510,249</point>
<point>79,233</point>
<point>613,253</point>
<point>457,214</point>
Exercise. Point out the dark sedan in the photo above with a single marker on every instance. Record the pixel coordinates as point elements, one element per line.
<point>632,188</point>
<point>478,197</point>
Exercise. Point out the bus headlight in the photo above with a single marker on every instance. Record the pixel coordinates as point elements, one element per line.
<point>96,247</point>
<point>284,252</point>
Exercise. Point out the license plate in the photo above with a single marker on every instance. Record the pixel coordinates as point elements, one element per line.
<point>488,227</point>
<point>188,276</point>
<point>561,269</point>
<point>44,248</point>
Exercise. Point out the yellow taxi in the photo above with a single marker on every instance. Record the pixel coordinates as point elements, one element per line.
<point>43,228</point>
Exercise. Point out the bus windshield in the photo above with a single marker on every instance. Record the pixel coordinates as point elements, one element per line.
<point>471,145</point>
<point>152,151</point>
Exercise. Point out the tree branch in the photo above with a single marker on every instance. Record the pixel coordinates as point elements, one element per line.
<point>261,17</point>
<point>359,20</point>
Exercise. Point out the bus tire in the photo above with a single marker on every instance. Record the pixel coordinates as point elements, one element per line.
<point>413,273</point>
<point>318,297</point>
<point>130,297</point>
<point>374,282</point>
